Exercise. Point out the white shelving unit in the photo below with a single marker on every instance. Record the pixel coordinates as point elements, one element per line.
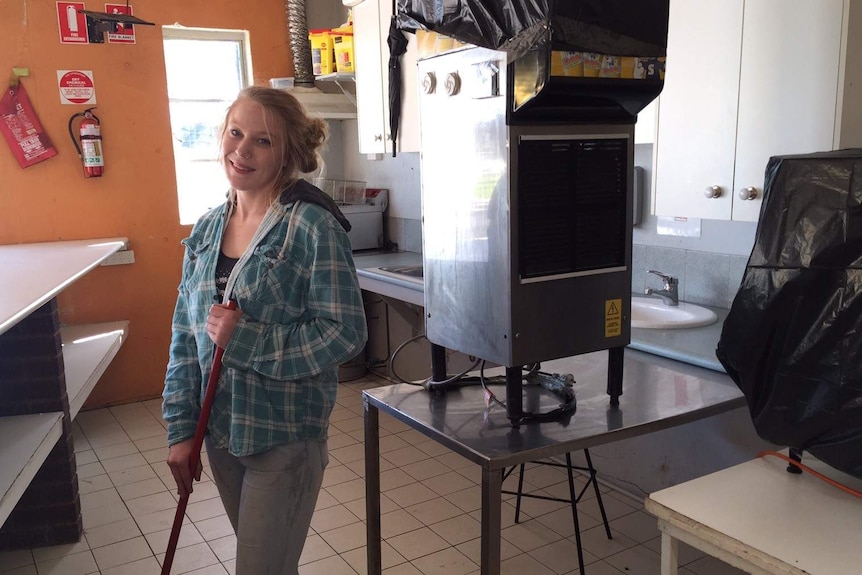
<point>40,272</point>
<point>27,441</point>
<point>87,352</point>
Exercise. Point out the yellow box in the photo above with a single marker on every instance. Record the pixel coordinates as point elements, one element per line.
<point>343,43</point>
<point>567,63</point>
<point>431,43</point>
<point>322,54</point>
<point>592,64</point>
<point>610,67</point>
<point>426,43</point>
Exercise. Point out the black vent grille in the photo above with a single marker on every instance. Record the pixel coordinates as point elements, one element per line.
<point>571,205</point>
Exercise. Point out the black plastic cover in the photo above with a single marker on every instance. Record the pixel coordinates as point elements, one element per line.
<point>792,340</point>
<point>620,27</point>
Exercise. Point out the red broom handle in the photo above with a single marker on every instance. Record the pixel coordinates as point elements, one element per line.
<point>194,459</point>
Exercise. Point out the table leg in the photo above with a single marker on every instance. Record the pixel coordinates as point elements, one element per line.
<point>492,484</point>
<point>372,488</point>
<point>669,554</point>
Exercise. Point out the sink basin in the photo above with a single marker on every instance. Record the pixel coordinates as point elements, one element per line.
<point>412,271</point>
<point>651,313</point>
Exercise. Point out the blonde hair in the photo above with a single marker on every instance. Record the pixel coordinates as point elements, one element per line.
<point>302,137</point>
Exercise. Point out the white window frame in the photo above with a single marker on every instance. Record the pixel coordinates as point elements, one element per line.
<point>194,200</point>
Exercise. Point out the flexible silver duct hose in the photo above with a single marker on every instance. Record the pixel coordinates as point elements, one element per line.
<point>297,24</point>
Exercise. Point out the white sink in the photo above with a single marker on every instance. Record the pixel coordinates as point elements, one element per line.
<point>652,313</point>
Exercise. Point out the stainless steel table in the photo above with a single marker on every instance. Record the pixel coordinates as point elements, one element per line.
<point>658,393</point>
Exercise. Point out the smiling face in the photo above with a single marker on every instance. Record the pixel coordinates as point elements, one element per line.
<point>251,148</point>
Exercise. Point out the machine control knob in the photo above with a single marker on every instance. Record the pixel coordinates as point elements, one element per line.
<point>712,192</point>
<point>452,84</point>
<point>748,193</point>
<point>429,83</point>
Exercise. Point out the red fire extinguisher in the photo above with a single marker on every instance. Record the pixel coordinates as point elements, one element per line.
<point>90,147</point>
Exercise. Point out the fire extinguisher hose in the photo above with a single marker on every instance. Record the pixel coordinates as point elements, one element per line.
<point>194,459</point>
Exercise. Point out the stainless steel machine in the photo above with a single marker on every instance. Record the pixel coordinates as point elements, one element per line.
<point>527,211</point>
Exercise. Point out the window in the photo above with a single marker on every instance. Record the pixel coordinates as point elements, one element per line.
<point>206,69</point>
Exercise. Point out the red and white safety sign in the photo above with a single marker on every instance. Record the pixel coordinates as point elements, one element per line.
<point>76,87</point>
<point>125,33</point>
<point>72,24</point>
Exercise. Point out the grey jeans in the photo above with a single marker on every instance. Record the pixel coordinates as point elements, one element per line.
<point>269,498</point>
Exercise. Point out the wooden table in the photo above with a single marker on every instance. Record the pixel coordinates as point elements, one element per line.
<point>759,518</point>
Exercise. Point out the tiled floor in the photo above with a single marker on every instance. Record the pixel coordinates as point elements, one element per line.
<point>430,506</point>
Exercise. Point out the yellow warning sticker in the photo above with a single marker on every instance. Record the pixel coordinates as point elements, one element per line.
<point>613,317</point>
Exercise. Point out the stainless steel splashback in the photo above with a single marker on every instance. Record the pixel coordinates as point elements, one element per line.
<point>526,228</point>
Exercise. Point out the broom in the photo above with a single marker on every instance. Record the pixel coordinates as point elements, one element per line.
<point>195,457</point>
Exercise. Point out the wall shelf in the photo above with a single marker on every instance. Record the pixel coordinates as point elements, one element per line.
<point>342,80</point>
<point>27,441</point>
<point>87,351</point>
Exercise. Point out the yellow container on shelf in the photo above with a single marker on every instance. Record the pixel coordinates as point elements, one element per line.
<point>592,64</point>
<point>567,63</point>
<point>426,43</point>
<point>322,54</point>
<point>610,67</point>
<point>343,43</point>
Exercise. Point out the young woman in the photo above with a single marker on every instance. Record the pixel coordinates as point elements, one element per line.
<point>278,248</point>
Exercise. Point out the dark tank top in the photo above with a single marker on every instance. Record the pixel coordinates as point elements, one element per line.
<point>223,268</point>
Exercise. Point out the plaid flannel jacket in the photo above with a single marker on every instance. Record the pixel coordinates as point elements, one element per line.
<point>302,317</point>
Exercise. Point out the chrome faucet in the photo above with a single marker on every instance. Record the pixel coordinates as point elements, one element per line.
<point>670,294</point>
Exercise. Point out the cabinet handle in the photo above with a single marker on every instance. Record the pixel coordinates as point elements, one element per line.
<point>378,138</point>
<point>452,84</point>
<point>712,192</point>
<point>748,193</point>
<point>429,83</point>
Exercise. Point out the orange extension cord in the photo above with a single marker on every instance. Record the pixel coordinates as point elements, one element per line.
<point>816,474</point>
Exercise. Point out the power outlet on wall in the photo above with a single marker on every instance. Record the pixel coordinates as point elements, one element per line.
<point>120,258</point>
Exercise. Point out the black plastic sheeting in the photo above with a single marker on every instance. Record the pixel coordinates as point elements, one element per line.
<point>620,27</point>
<point>792,340</point>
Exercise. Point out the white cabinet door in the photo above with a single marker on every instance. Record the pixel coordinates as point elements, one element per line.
<point>698,109</point>
<point>646,125</point>
<point>745,81</point>
<point>369,77</point>
<point>371,50</point>
<point>787,89</point>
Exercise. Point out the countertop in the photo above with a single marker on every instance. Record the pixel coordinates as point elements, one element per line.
<point>695,346</point>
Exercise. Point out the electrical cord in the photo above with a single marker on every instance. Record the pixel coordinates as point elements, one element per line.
<point>564,410</point>
<point>427,383</point>
<point>489,395</point>
<point>816,474</point>
<point>395,353</point>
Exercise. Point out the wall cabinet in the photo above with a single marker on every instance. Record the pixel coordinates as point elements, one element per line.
<point>645,127</point>
<point>371,53</point>
<point>747,80</point>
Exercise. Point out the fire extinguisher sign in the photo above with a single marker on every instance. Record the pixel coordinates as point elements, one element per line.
<point>72,24</point>
<point>76,87</point>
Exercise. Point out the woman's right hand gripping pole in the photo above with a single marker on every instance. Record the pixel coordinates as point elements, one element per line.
<point>179,460</point>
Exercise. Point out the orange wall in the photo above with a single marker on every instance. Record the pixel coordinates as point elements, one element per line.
<point>136,198</point>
